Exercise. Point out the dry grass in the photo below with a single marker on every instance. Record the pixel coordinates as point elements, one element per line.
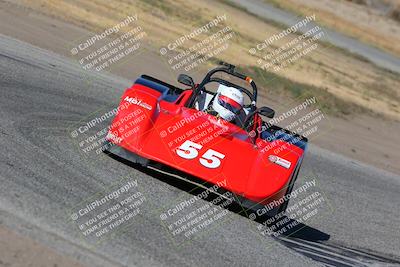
<point>347,84</point>
<point>353,18</point>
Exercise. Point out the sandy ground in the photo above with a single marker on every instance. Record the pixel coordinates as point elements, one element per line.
<point>369,23</point>
<point>367,139</point>
<point>18,251</point>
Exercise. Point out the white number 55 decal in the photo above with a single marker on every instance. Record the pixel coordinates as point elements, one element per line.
<point>210,159</point>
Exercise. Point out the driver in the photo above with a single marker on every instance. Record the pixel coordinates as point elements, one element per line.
<point>228,103</point>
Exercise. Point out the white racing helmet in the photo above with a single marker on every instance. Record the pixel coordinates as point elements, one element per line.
<point>228,102</point>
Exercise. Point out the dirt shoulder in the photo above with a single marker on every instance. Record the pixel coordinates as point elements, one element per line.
<point>373,22</point>
<point>16,250</point>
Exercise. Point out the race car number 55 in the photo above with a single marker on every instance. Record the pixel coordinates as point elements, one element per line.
<point>190,150</point>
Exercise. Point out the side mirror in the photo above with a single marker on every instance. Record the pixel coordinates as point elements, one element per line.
<point>266,111</point>
<point>186,80</point>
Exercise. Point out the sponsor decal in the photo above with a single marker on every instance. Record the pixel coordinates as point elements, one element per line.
<point>138,102</point>
<point>280,161</point>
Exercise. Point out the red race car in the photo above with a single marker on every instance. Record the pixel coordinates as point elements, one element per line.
<point>211,134</point>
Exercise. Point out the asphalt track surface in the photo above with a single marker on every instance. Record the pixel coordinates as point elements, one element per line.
<point>43,174</point>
